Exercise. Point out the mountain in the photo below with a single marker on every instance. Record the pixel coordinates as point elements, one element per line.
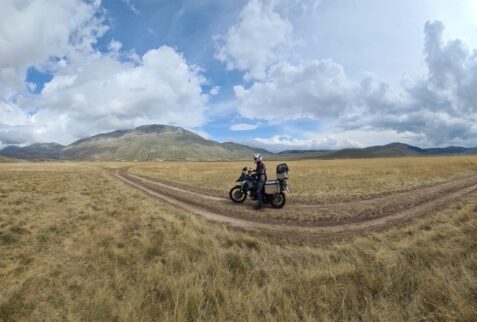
<point>304,151</point>
<point>164,142</point>
<point>397,150</point>
<point>154,142</point>
<point>450,150</point>
<point>472,151</point>
<point>240,148</point>
<point>300,154</point>
<point>37,151</point>
<point>144,143</point>
<point>389,150</point>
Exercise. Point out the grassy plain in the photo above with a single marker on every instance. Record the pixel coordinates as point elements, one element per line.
<point>8,160</point>
<point>76,244</point>
<point>321,180</point>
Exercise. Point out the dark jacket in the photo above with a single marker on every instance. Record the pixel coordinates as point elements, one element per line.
<point>261,171</point>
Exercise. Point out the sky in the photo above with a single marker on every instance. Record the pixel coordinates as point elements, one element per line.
<point>276,74</point>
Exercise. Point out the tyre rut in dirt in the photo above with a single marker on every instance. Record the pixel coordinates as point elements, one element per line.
<point>428,190</point>
<point>237,195</point>
<point>318,232</point>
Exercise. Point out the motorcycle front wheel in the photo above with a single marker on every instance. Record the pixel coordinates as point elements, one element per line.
<point>237,195</point>
<point>278,200</point>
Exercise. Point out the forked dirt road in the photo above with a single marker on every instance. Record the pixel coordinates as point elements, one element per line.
<point>411,204</point>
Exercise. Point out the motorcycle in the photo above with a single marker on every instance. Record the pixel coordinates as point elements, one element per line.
<point>274,190</point>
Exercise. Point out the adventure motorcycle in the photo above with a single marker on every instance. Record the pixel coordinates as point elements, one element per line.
<point>274,190</point>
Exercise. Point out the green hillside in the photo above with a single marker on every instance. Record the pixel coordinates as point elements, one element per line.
<point>154,142</point>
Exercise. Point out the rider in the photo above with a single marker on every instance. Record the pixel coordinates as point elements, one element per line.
<point>261,174</point>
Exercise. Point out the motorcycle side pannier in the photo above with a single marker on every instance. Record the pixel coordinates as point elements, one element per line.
<point>282,171</point>
<point>272,187</point>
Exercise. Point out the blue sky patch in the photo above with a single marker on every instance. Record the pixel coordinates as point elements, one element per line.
<point>38,78</point>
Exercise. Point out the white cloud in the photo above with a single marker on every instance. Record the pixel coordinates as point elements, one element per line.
<point>131,6</point>
<point>93,91</point>
<point>258,40</point>
<point>442,106</point>
<point>107,94</point>
<point>437,109</point>
<point>32,32</point>
<point>314,89</point>
<point>331,140</point>
<point>115,45</point>
<point>243,127</point>
<point>48,39</point>
<point>13,121</point>
<point>285,142</point>
<point>90,91</point>
<point>214,91</point>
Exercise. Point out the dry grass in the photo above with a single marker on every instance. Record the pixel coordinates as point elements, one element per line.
<point>8,160</point>
<point>76,244</point>
<point>320,180</point>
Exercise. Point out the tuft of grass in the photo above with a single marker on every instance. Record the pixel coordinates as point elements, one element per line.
<point>19,230</point>
<point>235,263</point>
<point>7,238</point>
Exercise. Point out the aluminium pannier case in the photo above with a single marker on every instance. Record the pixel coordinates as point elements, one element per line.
<point>272,187</point>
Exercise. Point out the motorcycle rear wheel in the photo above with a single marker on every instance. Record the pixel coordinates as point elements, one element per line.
<point>278,200</point>
<point>237,195</point>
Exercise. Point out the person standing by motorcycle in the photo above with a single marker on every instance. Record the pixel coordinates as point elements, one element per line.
<point>261,175</point>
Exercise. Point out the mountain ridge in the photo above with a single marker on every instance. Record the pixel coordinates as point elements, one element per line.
<point>395,149</point>
<point>143,143</point>
<point>157,142</point>
<point>33,151</point>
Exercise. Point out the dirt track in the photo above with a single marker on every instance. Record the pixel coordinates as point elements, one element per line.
<point>378,213</point>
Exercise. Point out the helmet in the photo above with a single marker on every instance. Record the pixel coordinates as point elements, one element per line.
<point>257,157</point>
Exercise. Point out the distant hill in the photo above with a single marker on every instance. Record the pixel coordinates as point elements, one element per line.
<point>169,143</point>
<point>240,148</point>
<point>304,151</point>
<point>450,150</point>
<point>37,151</point>
<point>154,142</point>
<point>301,154</point>
<point>396,150</point>
<point>390,150</point>
<point>144,143</point>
